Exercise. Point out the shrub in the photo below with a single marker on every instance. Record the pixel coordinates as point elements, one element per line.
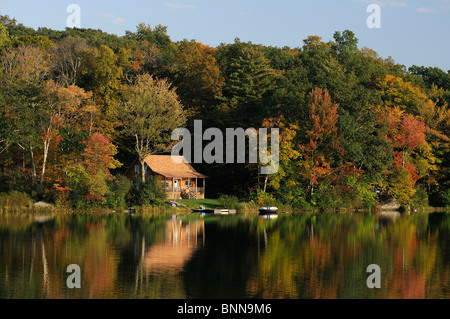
<point>77,180</point>
<point>420,198</point>
<point>446,198</point>
<point>15,199</point>
<point>295,197</point>
<point>325,197</point>
<point>264,199</point>
<point>148,193</point>
<point>229,201</point>
<point>118,189</point>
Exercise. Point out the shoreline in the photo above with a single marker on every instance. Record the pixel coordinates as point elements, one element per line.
<point>186,211</point>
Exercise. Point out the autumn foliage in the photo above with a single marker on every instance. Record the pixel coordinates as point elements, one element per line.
<point>77,107</point>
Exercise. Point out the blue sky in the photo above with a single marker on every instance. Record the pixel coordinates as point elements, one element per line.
<point>412,31</point>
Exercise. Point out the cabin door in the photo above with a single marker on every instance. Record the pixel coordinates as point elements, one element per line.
<point>176,184</point>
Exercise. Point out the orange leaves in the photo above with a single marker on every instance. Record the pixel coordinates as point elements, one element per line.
<point>322,135</point>
<point>59,188</point>
<point>401,163</point>
<point>323,114</point>
<point>412,133</point>
<point>323,118</point>
<point>405,131</point>
<point>66,106</point>
<point>99,154</point>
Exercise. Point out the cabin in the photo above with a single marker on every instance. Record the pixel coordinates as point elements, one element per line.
<point>179,180</point>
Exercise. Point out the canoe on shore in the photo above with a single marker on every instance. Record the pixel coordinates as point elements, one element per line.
<point>173,204</point>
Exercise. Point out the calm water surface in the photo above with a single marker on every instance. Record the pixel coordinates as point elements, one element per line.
<point>305,255</point>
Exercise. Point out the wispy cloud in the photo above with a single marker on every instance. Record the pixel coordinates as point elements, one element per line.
<point>385,3</point>
<point>446,5</point>
<point>119,20</point>
<point>113,18</point>
<point>427,10</point>
<point>243,13</point>
<point>105,15</point>
<point>177,6</point>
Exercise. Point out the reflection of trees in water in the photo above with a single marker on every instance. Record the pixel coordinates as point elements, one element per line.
<point>222,267</point>
<point>40,252</point>
<point>330,261</point>
<point>298,256</point>
<point>39,233</point>
<point>24,256</point>
<point>386,218</point>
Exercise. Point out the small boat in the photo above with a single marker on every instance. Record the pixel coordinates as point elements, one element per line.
<point>173,204</point>
<point>268,210</point>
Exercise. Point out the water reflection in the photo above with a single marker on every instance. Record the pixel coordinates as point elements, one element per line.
<point>296,256</point>
<point>166,258</point>
<point>179,244</point>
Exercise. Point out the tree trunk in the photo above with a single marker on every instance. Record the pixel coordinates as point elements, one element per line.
<point>311,188</point>
<point>33,167</point>
<point>143,171</point>
<point>265,183</point>
<point>44,162</point>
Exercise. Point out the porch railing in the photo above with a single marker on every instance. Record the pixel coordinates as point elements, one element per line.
<point>200,190</point>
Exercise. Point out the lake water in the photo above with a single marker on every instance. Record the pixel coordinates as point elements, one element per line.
<point>304,255</point>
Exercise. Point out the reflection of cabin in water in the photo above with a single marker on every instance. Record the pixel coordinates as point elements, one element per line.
<point>180,180</point>
<point>176,248</point>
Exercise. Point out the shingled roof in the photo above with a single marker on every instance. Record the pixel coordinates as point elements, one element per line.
<point>164,165</point>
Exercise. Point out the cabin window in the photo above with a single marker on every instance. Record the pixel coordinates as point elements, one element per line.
<point>167,183</point>
<point>188,182</point>
<point>137,169</point>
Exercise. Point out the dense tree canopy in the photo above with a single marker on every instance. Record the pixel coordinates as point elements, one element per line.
<point>78,106</point>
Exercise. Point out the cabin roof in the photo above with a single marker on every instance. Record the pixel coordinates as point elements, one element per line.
<point>165,165</point>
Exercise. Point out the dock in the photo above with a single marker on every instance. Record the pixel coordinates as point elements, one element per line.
<point>215,211</point>
<point>224,211</point>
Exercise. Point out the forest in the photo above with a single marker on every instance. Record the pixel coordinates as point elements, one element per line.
<point>78,106</point>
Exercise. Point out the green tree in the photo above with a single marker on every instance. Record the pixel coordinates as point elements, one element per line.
<point>156,37</point>
<point>150,112</point>
<point>23,71</point>
<point>248,74</point>
<point>249,81</point>
<point>148,192</point>
<point>4,36</point>
<point>197,78</point>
